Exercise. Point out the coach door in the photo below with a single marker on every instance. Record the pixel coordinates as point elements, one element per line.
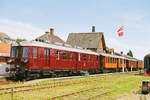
<point>46,57</point>
<point>76,61</point>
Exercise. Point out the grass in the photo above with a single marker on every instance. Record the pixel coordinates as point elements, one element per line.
<point>116,84</point>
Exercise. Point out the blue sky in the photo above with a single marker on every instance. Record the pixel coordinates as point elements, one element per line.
<point>31,18</point>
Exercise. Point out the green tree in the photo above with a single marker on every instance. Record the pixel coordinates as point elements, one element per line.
<point>130,53</point>
<point>20,40</point>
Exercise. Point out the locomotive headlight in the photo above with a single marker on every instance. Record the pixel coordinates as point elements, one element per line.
<point>17,66</point>
<point>26,60</point>
<point>9,61</point>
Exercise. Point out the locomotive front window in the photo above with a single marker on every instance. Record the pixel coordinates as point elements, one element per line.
<point>25,52</point>
<point>13,51</point>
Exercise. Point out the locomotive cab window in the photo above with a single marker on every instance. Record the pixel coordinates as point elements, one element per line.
<point>18,52</point>
<point>25,52</point>
<point>34,52</point>
<point>13,52</point>
<point>64,55</point>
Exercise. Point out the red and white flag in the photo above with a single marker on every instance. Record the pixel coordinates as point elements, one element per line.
<point>120,31</point>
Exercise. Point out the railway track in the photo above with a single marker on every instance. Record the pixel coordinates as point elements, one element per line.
<point>63,83</point>
<point>43,86</point>
<point>99,91</point>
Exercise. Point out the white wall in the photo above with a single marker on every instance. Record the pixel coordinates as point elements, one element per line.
<point>3,67</point>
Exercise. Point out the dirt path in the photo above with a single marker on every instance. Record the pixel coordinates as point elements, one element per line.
<point>135,95</point>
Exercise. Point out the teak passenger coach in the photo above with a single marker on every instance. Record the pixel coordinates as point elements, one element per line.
<point>37,59</point>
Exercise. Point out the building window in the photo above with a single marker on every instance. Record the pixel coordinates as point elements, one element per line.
<point>57,55</point>
<point>70,57</point>
<point>64,55</point>
<point>84,57</point>
<point>91,58</point>
<point>34,52</point>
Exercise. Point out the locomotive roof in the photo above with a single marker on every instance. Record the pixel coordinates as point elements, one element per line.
<point>58,46</point>
<point>111,55</point>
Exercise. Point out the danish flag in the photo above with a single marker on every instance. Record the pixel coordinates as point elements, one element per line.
<point>120,31</point>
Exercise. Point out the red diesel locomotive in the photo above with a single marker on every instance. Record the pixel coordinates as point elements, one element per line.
<point>35,59</point>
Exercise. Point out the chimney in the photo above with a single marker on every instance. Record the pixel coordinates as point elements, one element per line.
<point>51,31</point>
<point>93,28</point>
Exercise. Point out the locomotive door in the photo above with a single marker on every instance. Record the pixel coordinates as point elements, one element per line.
<point>35,58</point>
<point>46,57</point>
<point>76,61</point>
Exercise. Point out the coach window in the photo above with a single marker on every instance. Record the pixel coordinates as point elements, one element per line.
<point>44,52</point>
<point>48,53</point>
<point>88,57</point>
<point>79,56</point>
<point>97,58</point>
<point>57,55</point>
<point>34,52</point>
<point>108,59</point>
<point>70,57</point>
<point>91,58</point>
<point>84,57</point>
<point>64,55</point>
<point>120,61</point>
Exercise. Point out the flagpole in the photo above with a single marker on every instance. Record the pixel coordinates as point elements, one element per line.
<point>123,64</point>
<point>120,34</point>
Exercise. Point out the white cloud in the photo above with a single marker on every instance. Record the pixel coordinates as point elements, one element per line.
<point>16,29</point>
<point>137,50</point>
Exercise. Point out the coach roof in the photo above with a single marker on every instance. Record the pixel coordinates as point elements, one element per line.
<point>58,46</point>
